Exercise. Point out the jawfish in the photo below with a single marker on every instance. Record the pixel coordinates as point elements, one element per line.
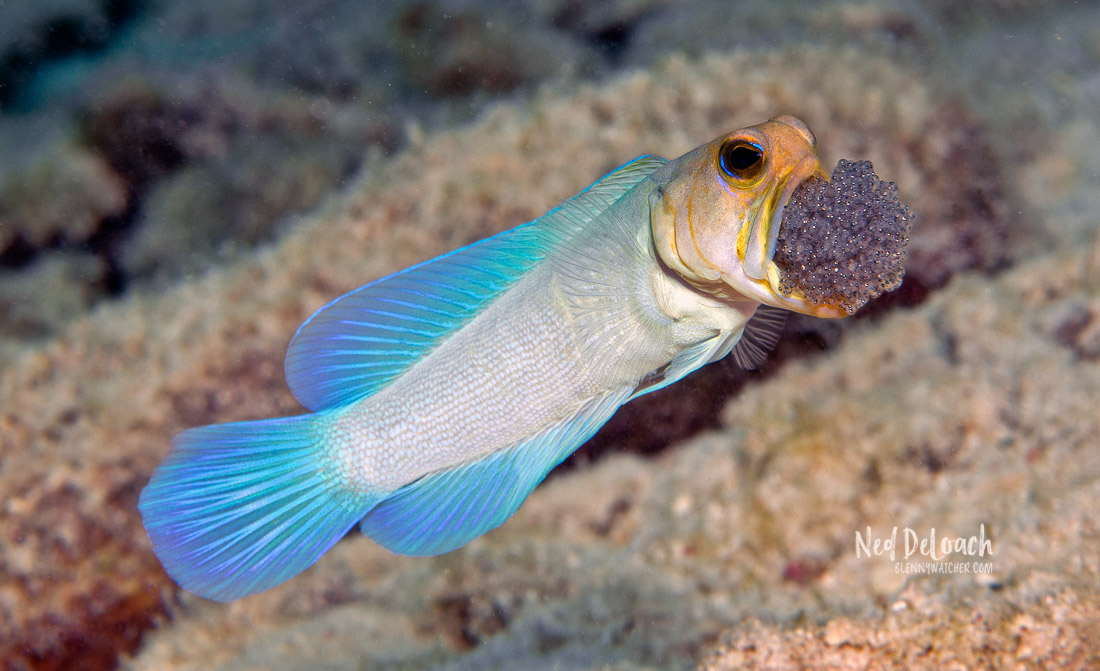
<point>441,395</point>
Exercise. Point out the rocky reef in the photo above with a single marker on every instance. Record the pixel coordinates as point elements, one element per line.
<point>159,251</point>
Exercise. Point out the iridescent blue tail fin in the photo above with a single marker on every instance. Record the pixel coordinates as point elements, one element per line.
<point>238,508</point>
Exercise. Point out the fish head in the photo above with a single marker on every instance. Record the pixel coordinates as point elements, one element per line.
<point>716,211</point>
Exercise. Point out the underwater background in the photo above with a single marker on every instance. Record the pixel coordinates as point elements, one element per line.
<point>183,182</point>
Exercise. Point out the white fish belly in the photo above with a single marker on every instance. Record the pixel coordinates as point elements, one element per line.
<point>514,371</point>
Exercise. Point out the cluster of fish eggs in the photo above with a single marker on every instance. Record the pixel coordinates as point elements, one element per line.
<point>843,241</point>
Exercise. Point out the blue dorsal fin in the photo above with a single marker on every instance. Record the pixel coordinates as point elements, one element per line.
<point>446,510</point>
<point>355,345</point>
<point>761,334</point>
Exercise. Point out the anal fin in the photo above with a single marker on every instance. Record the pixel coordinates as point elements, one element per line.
<point>445,510</point>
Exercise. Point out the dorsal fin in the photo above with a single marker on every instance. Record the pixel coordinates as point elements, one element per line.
<point>761,334</point>
<point>358,343</point>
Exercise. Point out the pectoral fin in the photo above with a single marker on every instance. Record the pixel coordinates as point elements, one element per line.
<point>762,332</point>
<point>685,362</point>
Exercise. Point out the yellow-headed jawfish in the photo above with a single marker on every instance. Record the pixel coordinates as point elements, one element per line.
<point>441,395</point>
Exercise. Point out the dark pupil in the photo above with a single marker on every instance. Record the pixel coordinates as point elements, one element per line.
<point>742,157</point>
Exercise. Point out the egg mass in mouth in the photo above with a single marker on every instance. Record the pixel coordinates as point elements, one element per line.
<point>843,241</point>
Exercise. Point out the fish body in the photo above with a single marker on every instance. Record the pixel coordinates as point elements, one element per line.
<point>443,394</point>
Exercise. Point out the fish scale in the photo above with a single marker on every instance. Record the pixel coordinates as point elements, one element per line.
<point>476,390</point>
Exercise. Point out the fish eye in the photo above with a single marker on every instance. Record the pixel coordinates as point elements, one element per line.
<point>741,160</point>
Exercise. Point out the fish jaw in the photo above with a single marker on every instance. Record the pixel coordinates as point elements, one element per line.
<point>715,214</point>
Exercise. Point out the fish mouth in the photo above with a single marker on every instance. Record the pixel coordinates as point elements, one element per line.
<point>844,241</point>
<point>759,265</point>
<point>765,229</point>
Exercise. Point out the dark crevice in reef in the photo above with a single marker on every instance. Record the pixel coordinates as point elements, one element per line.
<point>55,40</point>
<point>610,38</point>
<point>17,253</point>
<point>139,136</point>
<point>107,243</point>
<point>141,139</point>
<point>96,643</point>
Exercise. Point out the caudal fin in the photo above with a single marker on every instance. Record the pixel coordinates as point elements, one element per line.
<point>238,508</point>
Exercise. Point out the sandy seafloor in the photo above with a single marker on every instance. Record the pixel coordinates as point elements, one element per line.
<point>183,182</point>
